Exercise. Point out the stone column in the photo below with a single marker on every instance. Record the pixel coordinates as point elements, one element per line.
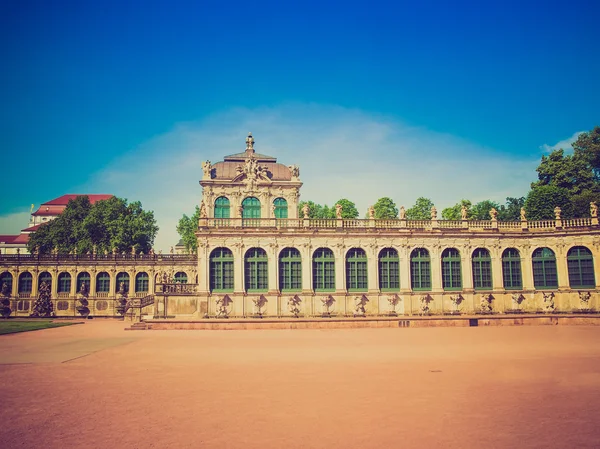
<point>466,265</point>
<point>526,268</point>
<point>372,271</point>
<point>203,269</point>
<point>15,283</point>
<point>340,269</point>
<point>561,267</point>
<point>34,282</point>
<point>54,285</point>
<point>238,267</point>
<point>404,255</point>
<point>306,252</point>
<point>497,278</point>
<point>436,270</point>
<point>273,264</point>
<point>93,274</point>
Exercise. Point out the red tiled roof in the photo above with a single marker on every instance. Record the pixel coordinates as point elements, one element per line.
<point>64,200</point>
<point>7,238</point>
<point>21,238</point>
<point>57,205</point>
<point>32,229</point>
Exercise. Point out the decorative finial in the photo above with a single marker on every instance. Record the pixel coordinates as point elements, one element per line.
<point>250,143</point>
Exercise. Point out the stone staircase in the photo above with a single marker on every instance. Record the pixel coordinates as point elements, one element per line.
<point>138,327</point>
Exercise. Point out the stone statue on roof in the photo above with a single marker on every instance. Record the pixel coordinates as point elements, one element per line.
<point>557,212</point>
<point>250,143</point>
<point>493,214</point>
<point>207,168</point>
<point>402,213</point>
<point>338,211</point>
<point>593,210</point>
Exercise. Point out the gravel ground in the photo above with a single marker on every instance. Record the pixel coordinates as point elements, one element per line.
<point>97,386</point>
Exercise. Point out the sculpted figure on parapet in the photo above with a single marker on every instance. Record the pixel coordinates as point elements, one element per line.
<point>402,213</point>
<point>593,210</point>
<point>433,213</point>
<point>203,213</point>
<point>305,210</point>
<point>463,212</point>
<point>557,212</point>
<point>493,214</point>
<point>371,213</point>
<point>207,168</point>
<point>523,217</point>
<point>338,211</point>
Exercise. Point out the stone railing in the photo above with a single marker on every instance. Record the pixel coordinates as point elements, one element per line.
<point>474,225</point>
<point>108,258</point>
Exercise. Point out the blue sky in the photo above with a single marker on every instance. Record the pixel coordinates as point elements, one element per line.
<point>129,97</point>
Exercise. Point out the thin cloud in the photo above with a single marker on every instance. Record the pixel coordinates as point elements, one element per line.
<point>565,144</point>
<point>342,153</point>
<point>13,223</point>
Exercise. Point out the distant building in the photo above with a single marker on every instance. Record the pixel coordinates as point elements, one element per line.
<point>9,244</point>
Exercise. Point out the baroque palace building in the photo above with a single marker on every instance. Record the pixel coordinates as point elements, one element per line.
<point>259,256</point>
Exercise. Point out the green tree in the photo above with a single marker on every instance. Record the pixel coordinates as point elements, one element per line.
<point>315,210</point>
<point>385,208</point>
<point>187,228</point>
<point>512,210</point>
<point>571,172</point>
<point>105,225</point>
<point>421,210</point>
<point>481,210</point>
<point>542,200</point>
<point>581,202</point>
<point>349,209</point>
<point>455,212</point>
<point>587,146</point>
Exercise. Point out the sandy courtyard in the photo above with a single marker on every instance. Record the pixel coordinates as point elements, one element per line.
<point>95,385</point>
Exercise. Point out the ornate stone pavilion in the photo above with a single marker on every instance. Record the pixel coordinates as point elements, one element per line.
<point>258,258</point>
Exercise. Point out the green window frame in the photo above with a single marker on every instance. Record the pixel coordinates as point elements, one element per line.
<point>25,282</point>
<point>420,270</point>
<point>323,270</point>
<point>221,270</point>
<point>580,264</point>
<point>451,272</point>
<point>180,278</point>
<point>545,275</point>
<point>290,270</point>
<point>122,277</point>
<point>45,277</point>
<point>356,270</point>
<point>103,282</point>
<point>82,277</point>
<point>251,207</point>
<point>256,269</point>
<point>64,283</point>
<point>389,270</point>
<point>511,269</point>
<point>142,282</point>
<point>7,278</point>
<point>222,207</point>
<point>482,269</point>
<point>281,208</point>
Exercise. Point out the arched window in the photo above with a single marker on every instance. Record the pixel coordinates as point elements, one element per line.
<point>511,269</point>
<point>581,267</point>
<point>256,270</point>
<point>103,282</point>
<point>83,277</point>
<point>180,278</point>
<point>356,270</point>
<point>281,208</point>
<point>482,269</point>
<point>251,208</point>
<point>544,269</point>
<point>222,207</point>
<point>451,275</point>
<point>323,270</point>
<point>221,270</point>
<point>290,270</point>
<point>25,282</point>
<point>389,270</point>
<point>64,283</point>
<point>124,278</point>
<point>420,269</point>
<point>6,278</point>
<point>142,281</point>
<point>45,277</point>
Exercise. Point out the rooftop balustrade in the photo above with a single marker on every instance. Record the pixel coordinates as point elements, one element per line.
<point>299,224</point>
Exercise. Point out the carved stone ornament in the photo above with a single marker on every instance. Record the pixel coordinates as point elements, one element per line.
<point>306,210</point>
<point>425,300</point>
<point>433,213</point>
<point>295,171</point>
<point>584,300</point>
<point>393,301</point>
<point>207,169</point>
<point>293,305</point>
<point>259,303</point>
<point>493,214</point>
<point>593,210</point>
<point>338,211</point>
<point>549,305</point>
<point>359,305</point>
<point>203,213</point>
<point>402,213</point>
<point>223,306</point>
<point>327,302</point>
<point>456,302</point>
<point>557,212</point>
<point>517,300</point>
<point>486,303</point>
